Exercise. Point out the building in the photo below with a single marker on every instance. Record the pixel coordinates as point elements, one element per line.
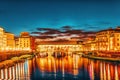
<point>10,41</point>
<point>32,44</point>
<point>106,43</point>
<point>24,41</point>
<point>103,40</point>
<point>89,45</point>
<point>58,46</point>
<point>108,40</point>
<point>16,43</point>
<point>115,40</point>
<point>2,39</point>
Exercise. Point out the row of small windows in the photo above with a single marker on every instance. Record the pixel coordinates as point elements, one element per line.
<point>25,45</point>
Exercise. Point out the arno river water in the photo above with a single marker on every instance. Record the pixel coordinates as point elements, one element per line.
<point>67,68</point>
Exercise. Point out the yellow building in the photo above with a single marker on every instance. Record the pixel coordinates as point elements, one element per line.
<point>89,45</point>
<point>10,41</point>
<point>24,41</point>
<point>2,40</point>
<point>115,40</point>
<point>103,40</point>
<point>108,40</point>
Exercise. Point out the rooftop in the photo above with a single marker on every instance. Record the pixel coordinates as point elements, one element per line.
<point>57,42</point>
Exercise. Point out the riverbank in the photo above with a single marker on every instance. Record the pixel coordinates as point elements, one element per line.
<point>14,60</point>
<point>9,55</point>
<point>102,58</point>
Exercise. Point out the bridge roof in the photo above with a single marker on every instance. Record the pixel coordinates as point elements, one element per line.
<point>57,43</point>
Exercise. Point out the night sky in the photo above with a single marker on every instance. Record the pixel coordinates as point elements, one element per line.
<point>27,15</point>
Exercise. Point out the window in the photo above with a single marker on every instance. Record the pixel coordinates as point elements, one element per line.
<point>117,44</point>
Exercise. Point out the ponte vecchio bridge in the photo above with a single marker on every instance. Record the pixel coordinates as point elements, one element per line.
<point>68,47</point>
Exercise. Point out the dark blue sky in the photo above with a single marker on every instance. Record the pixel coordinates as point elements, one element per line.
<point>27,15</point>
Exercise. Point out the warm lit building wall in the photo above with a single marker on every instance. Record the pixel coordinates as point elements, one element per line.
<point>108,40</point>
<point>24,41</point>
<point>93,46</point>
<point>89,45</point>
<point>10,41</point>
<point>85,47</point>
<point>2,39</point>
<point>116,41</point>
<point>81,47</point>
<point>32,43</point>
<point>103,40</point>
<point>16,43</point>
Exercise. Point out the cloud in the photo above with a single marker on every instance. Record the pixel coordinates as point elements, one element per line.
<point>36,33</point>
<point>45,29</point>
<point>66,27</point>
<point>52,32</point>
<point>45,37</point>
<point>76,37</point>
<point>64,32</point>
<point>73,31</point>
<point>48,31</point>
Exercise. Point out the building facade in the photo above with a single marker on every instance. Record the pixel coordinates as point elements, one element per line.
<point>2,40</point>
<point>108,40</point>
<point>115,40</point>
<point>24,42</point>
<point>106,43</point>
<point>10,41</point>
<point>104,40</point>
<point>32,43</point>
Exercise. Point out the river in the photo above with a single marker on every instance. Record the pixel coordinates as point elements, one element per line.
<point>67,68</point>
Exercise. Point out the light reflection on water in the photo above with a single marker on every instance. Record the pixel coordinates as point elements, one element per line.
<point>69,67</point>
<point>18,72</point>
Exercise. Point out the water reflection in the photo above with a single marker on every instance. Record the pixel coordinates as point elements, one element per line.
<point>79,67</point>
<point>21,71</point>
<point>70,67</point>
